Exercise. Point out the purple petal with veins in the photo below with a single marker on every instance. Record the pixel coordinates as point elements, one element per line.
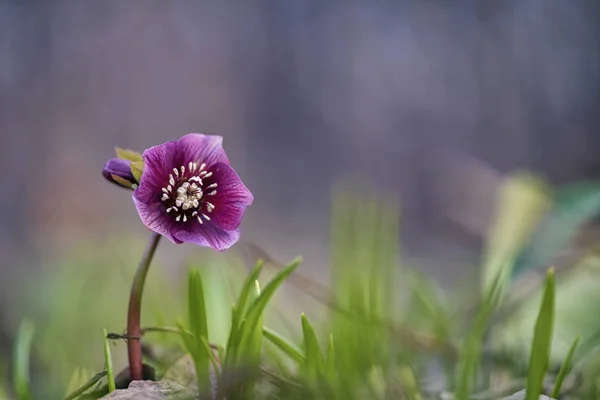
<point>190,194</point>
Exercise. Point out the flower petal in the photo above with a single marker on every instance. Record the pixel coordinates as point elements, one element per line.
<point>158,163</point>
<point>155,218</point>
<point>200,148</point>
<point>231,200</point>
<point>207,235</point>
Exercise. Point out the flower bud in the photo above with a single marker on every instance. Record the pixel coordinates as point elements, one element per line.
<point>118,171</point>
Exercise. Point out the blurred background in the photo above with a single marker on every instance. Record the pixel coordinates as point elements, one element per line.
<point>431,102</point>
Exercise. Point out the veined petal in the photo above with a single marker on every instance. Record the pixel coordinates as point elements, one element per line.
<point>231,200</point>
<point>155,218</point>
<point>188,192</point>
<point>207,235</point>
<point>197,147</point>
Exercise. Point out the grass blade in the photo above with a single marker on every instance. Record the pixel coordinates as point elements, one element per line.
<point>197,306</point>
<point>245,293</point>
<point>212,358</point>
<point>542,340</point>
<point>314,363</point>
<point>110,375</point>
<point>472,348</point>
<point>564,370</point>
<point>411,386</point>
<point>237,315</point>
<point>252,348</point>
<point>199,329</point>
<point>284,345</point>
<point>21,360</point>
<point>258,306</point>
<point>330,365</point>
<point>78,392</point>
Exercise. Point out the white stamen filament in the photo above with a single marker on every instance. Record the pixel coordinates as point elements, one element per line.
<point>183,193</point>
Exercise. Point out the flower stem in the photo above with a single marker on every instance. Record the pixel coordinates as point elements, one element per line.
<point>134,347</point>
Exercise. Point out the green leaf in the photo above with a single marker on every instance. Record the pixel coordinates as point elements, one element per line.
<point>564,370</point>
<point>330,364</point>
<point>472,348</point>
<point>252,348</point>
<point>110,375</point>
<point>284,345</point>
<point>364,263</point>
<point>137,169</point>
<point>314,363</point>
<point>523,201</point>
<point>198,327</point>
<point>411,386</point>
<point>252,318</point>
<point>196,305</point>
<point>258,306</point>
<point>574,205</point>
<point>245,292</point>
<point>123,182</point>
<point>127,154</point>
<point>211,355</point>
<point>542,340</point>
<point>237,315</point>
<point>87,385</point>
<point>21,360</point>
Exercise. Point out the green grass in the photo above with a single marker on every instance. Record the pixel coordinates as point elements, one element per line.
<point>21,380</point>
<point>108,365</point>
<point>542,340</point>
<point>379,327</point>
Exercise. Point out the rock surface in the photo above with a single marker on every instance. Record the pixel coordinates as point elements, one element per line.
<point>148,390</point>
<point>521,396</point>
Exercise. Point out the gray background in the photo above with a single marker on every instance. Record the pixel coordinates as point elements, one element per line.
<point>427,100</point>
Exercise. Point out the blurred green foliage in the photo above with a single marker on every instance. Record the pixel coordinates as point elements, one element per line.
<point>386,330</point>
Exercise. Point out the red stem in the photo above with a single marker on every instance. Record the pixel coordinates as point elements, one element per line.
<point>134,347</point>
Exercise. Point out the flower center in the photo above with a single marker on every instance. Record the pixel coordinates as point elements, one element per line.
<point>185,195</point>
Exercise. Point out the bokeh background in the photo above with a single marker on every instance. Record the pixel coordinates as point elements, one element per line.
<point>428,101</point>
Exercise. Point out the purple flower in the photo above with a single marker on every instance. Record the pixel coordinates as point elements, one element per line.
<point>188,192</point>
<point>118,171</point>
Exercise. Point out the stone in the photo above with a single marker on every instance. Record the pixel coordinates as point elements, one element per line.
<point>149,390</point>
<point>521,396</point>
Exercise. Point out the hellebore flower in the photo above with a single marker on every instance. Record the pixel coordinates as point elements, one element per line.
<point>118,171</point>
<point>188,192</point>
